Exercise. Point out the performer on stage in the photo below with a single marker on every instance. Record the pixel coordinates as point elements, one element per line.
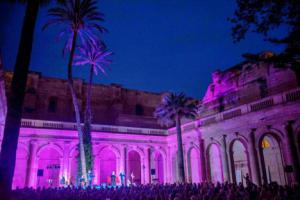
<point>132,178</point>
<point>63,181</point>
<point>82,181</point>
<point>122,178</point>
<point>113,179</point>
<point>90,177</point>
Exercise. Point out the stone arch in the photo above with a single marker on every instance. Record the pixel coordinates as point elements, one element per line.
<point>162,151</point>
<point>137,149</point>
<point>50,145</point>
<point>279,135</point>
<point>112,148</point>
<point>21,167</point>
<point>73,165</point>
<point>158,166</point>
<point>215,169</point>
<point>49,162</point>
<point>72,151</point>
<point>239,160</point>
<point>24,146</point>
<point>134,166</point>
<point>107,162</point>
<point>194,164</point>
<point>271,156</point>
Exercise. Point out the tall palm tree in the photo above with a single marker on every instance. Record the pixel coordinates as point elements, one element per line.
<point>79,18</point>
<point>172,109</point>
<point>96,57</point>
<point>16,95</point>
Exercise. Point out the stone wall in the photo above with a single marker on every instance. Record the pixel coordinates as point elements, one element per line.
<point>245,83</point>
<point>111,104</point>
<point>256,131</point>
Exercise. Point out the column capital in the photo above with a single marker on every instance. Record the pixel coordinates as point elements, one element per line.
<point>33,144</point>
<point>253,130</point>
<point>289,123</point>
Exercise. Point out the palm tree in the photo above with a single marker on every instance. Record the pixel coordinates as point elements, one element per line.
<point>16,96</point>
<point>96,57</point>
<point>172,109</point>
<point>79,18</point>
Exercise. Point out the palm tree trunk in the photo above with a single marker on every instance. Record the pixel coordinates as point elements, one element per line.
<point>87,124</point>
<point>181,173</point>
<point>76,108</point>
<point>88,113</point>
<point>15,100</point>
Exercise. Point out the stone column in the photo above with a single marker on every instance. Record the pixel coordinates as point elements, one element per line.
<point>96,169</point>
<point>293,149</point>
<point>202,160</point>
<point>65,167</point>
<point>185,161</point>
<point>123,166</point>
<point>31,177</point>
<point>253,158</point>
<point>147,165</point>
<point>169,165</point>
<point>225,159</point>
<point>96,164</point>
<point>143,168</point>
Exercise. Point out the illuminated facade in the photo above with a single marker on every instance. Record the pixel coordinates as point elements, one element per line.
<point>248,123</point>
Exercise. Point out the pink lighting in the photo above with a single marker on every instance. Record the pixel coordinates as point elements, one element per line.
<point>108,164</point>
<point>195,167</point>
<point>215,164</point>
<point>49,165</point>
<point>134,167</point>
<point>255,124</point>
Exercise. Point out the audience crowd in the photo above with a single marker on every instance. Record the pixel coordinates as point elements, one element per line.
<point>203,191</point>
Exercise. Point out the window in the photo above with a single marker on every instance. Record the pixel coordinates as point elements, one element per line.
<point>221,104</point>
<point>31,90</point>
<point>52,105</point>
<point>263,87</point>
<point>29,109</point>
<point>139,110</point>
<point>265,144</point>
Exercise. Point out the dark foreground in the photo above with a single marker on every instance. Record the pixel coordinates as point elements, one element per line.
<point>204,191</point>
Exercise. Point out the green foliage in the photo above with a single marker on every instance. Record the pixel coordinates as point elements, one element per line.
<point>174,105</point>
<point>79,168</point>
<point>88,148</point>
<point>80,16</point>
<point>264,16</point>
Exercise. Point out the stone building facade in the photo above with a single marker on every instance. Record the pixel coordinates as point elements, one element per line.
<point>248,123</point>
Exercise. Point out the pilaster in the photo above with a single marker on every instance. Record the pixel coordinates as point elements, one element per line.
<point>253,158</point>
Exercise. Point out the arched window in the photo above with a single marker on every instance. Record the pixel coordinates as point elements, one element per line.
<point>139,110</point>
<point>265,143</point>
<point>273,164</point>
<point>52,104</point>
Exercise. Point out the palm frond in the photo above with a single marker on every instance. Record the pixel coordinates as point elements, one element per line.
<point>95,55</point>
<point>81,16</point>
<point>173,105</point>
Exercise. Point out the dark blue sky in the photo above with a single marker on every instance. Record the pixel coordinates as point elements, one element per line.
<point>158,45</point>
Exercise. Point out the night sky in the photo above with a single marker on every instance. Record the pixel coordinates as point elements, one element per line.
<point>158,45</point>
